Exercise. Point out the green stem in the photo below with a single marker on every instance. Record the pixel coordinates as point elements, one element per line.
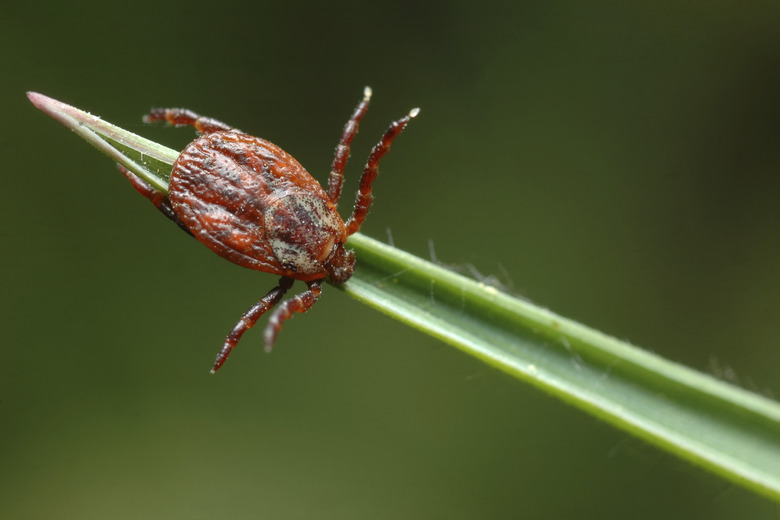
<point>724,429</point>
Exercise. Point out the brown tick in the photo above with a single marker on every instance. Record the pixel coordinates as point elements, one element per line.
<point>254,204</point>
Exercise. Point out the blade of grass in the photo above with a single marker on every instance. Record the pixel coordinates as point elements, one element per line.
<point>147,159</point>
<point>727,430</point>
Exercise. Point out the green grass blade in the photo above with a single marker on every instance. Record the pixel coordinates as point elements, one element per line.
<point>724,429</point>
<point>147,159</point>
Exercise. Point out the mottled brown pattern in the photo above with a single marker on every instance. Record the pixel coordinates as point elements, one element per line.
<point>222,187</point>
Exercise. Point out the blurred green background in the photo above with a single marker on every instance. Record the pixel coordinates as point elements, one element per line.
<point>617,164</point>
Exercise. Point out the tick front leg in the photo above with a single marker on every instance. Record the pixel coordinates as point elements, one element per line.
<point>364,196</point>
<point>158,198</point>
<point>336,178</point>
<point>184,117</point>
<point>249,319</point>
<point>301,303</point>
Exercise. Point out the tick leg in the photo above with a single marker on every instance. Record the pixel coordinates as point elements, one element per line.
<point>336,178</point>
<point>364,196</point>
<point>158,198</point>
<point>184,117</point>
<point>300,303</point>
<point>249,319</point>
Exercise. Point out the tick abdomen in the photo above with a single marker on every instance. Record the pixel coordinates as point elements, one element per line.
<point>254,204</point>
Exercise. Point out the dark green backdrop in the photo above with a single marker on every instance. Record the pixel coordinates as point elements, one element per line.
<point>616,164</point>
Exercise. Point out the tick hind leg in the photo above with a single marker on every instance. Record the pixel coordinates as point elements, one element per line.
<point>185,117</point>
<point>300,303</point>
<point>158,198</point>
<point>341,155</point>
<point>364,196</point>
<point>249,319</point>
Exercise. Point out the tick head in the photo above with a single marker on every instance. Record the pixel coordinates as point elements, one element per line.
<point>340,265</point>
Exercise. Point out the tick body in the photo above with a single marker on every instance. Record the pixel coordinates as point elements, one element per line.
<point>252,203</point>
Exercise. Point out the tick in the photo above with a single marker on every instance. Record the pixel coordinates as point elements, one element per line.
<point>255,205</point>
